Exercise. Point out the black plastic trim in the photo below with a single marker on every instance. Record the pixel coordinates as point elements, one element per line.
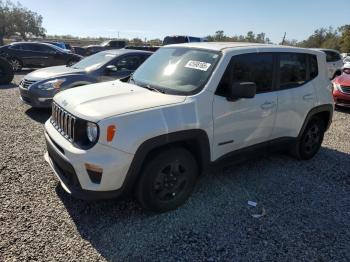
<point>319,109</point>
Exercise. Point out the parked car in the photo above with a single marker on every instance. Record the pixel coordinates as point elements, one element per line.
<point>6,72</point>
<point>334,62</point>
<point>79,50</point>
<point>179,39</point>
<point>107,45</point>
<point>187,107</point>
<point>31,54</point>
<point>38,88</point>
<point>341,88</point>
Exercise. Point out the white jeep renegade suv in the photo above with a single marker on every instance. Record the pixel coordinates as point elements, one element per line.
<point>185,108</point>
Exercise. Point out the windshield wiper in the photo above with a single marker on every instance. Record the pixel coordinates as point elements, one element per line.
<point>153,89</point>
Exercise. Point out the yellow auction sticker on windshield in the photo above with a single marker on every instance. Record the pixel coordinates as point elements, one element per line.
<point>203,66</point>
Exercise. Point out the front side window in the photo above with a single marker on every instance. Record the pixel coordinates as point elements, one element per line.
<point>177,70</point>
<point>292,70</point>
<point>129,63</point>
<point>256,68</point>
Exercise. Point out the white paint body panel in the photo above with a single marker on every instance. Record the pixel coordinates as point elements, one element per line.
<point>140,114</point>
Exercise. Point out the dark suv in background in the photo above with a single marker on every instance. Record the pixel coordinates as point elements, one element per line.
<point>31,54</point>
<point>107,45</point>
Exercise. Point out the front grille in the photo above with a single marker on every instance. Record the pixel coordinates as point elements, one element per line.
<point>345,89</point>
<point>63,121</point>
<point>26,83</point>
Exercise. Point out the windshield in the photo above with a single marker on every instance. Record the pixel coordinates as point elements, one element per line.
<point>94,61</point>
<point>177,70</point>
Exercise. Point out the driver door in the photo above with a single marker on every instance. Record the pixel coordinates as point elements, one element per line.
<point>244,122</point>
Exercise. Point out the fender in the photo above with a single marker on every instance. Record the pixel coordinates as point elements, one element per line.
<point>198,136</point>
<point>318,109</point>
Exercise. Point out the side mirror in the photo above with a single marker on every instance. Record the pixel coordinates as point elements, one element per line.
<point>242,90</point>
<point>111,68</point>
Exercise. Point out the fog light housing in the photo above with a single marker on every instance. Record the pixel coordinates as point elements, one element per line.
<point>94,172</point>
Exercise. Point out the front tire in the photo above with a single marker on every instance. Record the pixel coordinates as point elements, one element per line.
<point>167,180</point>
<point>6,72</point>
<point>310,141</point>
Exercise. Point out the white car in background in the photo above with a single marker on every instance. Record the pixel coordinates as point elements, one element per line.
<point>334,62</point>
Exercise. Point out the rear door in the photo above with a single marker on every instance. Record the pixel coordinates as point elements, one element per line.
<point>295,91</point>
<point>245,122</point>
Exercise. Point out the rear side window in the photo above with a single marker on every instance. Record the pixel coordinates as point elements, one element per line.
<point>313,66</point>
<point>332,56</point>
<point>257,68</point>
<point>15,47</point>
<point>292,70</point>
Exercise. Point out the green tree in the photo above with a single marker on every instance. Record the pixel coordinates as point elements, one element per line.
<point>16,19</point>
<point>344,41</point>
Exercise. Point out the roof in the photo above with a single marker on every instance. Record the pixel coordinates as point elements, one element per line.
<point>220,46</point>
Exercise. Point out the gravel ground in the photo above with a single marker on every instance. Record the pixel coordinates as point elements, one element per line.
<point>306,206</point>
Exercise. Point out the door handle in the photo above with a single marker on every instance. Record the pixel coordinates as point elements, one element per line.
<point>308,97</point>
<point>267,105</point>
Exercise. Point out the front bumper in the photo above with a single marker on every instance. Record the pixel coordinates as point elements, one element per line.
<point>341,99</point>
<point>68,164</point>
<point>33,99</point>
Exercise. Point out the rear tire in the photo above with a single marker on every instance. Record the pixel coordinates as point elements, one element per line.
<point>6,72</point>
<point>310,141</point>
<point>167,180</point>
<point>16,64</point>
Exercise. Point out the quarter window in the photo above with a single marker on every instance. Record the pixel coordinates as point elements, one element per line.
<point>292,70</point>
<point>313,66</point>
<point>257,68</point>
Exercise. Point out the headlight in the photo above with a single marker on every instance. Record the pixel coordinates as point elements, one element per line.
<point>91,131</point>
<point>52,84</point>
<point>337,86</point>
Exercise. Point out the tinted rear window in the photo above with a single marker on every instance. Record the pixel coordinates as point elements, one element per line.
<point>292,70</point>
<point>313,66</point>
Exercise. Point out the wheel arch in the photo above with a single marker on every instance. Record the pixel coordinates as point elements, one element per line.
<point>325,112</point>
<point>195,141</point>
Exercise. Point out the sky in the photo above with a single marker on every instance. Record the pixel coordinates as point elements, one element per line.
<point>158,18</point>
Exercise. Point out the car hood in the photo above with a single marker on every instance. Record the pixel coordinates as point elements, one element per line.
<point>343,80</point>
<point>50,72</point>
<point>99,101</point>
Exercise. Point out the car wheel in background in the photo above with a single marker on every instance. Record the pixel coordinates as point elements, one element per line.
<point>6,72</point>
<point>16,64</point>
<point>167,180</point>
<point>310,141</point>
